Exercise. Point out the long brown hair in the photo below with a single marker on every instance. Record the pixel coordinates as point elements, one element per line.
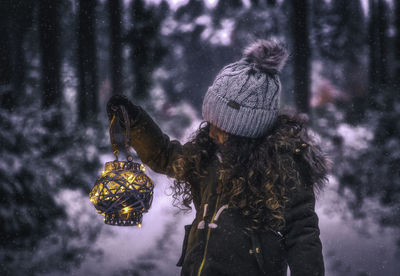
<point>259,174</point>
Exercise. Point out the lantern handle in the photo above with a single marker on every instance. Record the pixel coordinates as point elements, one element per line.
<point>126,122</point>
<point>114,145</point>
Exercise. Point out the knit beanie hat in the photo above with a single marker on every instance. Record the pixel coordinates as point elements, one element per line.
<point>245,96</point>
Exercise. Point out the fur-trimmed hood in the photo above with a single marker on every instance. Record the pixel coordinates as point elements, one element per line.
<point>292,139</point>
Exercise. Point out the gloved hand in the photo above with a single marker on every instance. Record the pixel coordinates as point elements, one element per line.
<point>114,104</point>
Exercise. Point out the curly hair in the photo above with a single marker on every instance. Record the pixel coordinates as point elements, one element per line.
<point>258,175</point>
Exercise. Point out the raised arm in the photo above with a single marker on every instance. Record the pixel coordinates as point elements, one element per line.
<point>153,147</point>
<point>302,242</point>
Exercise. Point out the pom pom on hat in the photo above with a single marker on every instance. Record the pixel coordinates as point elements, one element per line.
<point>267,55</point>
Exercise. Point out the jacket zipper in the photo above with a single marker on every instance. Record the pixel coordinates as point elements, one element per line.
<point>208,237</point>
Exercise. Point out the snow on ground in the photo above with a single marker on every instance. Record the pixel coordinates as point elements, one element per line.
<point>353,247</point>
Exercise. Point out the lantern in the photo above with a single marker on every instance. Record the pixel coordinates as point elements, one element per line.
<point>123,192</point>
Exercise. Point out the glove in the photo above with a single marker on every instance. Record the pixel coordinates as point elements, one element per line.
<point>114,104</point>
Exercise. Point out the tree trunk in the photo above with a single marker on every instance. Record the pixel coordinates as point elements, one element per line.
<point>50,55</point>
<point>7,97</point>
<point>397,46</point>
<point>373,46</point>
<point>377,41</point>
<point>23,16</point>
<point>382,39</point>
<point>15,19</point>
<point>147,49</point>
<point>114,8</point>
<point>301,54</point>
<point>87,67</point>
<point>139,35</point>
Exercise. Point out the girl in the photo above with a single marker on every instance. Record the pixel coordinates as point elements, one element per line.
<point>250,171</point>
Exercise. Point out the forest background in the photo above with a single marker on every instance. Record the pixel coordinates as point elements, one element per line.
<point>61,60</point>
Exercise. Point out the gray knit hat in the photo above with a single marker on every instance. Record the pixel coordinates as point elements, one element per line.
<point>245,96</point>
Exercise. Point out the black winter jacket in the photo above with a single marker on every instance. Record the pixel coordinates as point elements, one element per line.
<point>216,243</point>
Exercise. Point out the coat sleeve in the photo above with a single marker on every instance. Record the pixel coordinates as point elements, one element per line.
<point>302,242</point>
<point>153,147</point>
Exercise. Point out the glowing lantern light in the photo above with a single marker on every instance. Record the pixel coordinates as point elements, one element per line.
<point>123,192</point>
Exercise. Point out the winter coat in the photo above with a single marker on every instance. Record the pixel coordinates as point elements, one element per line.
<point>216,243</point>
